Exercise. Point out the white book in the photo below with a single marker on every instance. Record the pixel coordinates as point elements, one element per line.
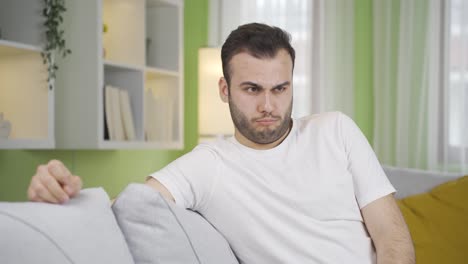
<point>159,114</point>
<point>169,118</point>
<point>146,120</point>
<point>108,112</point>
<point>161,118</point>
<point>116,114</point>
<point>127,117</point>
<point>150,127</point>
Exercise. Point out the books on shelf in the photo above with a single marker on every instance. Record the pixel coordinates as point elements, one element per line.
<point>127,117</point>
<point>118,114</point>
<point>158,117</point>
<point>108,113</point>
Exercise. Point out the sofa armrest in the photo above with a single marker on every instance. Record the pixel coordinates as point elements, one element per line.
<point>83,230</point>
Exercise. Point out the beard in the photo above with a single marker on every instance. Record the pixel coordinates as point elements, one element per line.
<point>265,136</point>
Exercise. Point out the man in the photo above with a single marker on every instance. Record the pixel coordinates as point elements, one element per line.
<point>281,190</point>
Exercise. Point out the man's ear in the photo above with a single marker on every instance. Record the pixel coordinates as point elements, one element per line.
<point>223,90</point>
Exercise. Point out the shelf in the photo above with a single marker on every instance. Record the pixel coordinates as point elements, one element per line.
<point>124,40</point>
<point>21,21</point>
<point>115,66</point>
<point>164,3</point>
<point>25,98</point>
<point>8,48</point>
<point>140,145</point>
<point>26,102</point>
<point>157,73</point>
<point>163,36</point>
<point>26,144</point>
<point>132,81</point>
<point>141,50</point>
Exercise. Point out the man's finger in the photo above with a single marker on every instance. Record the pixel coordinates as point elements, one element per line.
<point>54,188</point>
<point>43,194</point>
<point>74,186</point>
<point>59,171</point>
<point>32,194</point>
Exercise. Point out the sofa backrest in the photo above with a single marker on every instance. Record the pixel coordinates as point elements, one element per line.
<point>412,181</point>
<point>157,231</point>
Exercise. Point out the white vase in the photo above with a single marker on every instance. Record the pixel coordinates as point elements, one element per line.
<point>5,127</point>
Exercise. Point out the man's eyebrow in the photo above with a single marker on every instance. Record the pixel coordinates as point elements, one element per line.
<point>250,84</point>
<point>286,83</point>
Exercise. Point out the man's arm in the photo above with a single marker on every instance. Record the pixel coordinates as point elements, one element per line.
<point>388,231</point>
<point>155,184</point>
<point>54,183</point>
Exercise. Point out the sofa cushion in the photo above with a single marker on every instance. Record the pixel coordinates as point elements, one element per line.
<point>157,231</point>
<point>438,222</point>
<point>83,230</point>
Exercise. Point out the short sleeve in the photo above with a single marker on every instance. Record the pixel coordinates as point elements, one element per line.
<point>190,178</point>
<point>369,179</point>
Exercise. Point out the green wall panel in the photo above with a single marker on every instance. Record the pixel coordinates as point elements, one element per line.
<point>363,66</point>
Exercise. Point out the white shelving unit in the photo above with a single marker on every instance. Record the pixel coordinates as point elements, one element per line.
<point>25,99</point>
<point>141,52</point>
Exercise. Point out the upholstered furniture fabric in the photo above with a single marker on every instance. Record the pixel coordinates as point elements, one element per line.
<point>438,222</point>
<point>413,181</point>
<point>158,231</point>
<point>82,231</point>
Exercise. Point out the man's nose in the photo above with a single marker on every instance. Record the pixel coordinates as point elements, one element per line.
<point>266,104</point>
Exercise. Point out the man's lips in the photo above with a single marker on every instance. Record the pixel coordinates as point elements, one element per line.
<point>266,121</point>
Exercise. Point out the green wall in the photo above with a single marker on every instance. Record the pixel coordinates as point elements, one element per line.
<point>113,170</point>
<point>363,66</point>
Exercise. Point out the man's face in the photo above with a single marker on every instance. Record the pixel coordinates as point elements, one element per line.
<point>260,98</point>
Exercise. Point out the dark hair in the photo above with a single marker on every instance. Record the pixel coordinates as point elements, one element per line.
<point>259,40</point>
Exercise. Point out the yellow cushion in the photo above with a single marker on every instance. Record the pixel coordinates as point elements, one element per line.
<point>438,223</point>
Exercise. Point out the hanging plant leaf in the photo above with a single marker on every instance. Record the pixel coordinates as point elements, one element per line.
<point>55,42</point>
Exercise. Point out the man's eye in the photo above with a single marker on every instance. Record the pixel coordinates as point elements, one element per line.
<point>280,89</point>
<point>252,89</point>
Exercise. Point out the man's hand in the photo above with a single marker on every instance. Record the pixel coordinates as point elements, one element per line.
<point>53,183</point>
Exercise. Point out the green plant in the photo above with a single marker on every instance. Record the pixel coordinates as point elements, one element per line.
<point>55,42</point>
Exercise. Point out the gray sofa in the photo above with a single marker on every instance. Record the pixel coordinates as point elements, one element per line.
<point>141,227</point>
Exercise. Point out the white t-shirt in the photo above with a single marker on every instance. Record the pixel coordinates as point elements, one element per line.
<point>296,203</point>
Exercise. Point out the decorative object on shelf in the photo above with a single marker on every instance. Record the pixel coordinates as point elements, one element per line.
<point>148,43</point>
<point>105,28</point>
<point>55,41</point>
<point>5,127</point>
